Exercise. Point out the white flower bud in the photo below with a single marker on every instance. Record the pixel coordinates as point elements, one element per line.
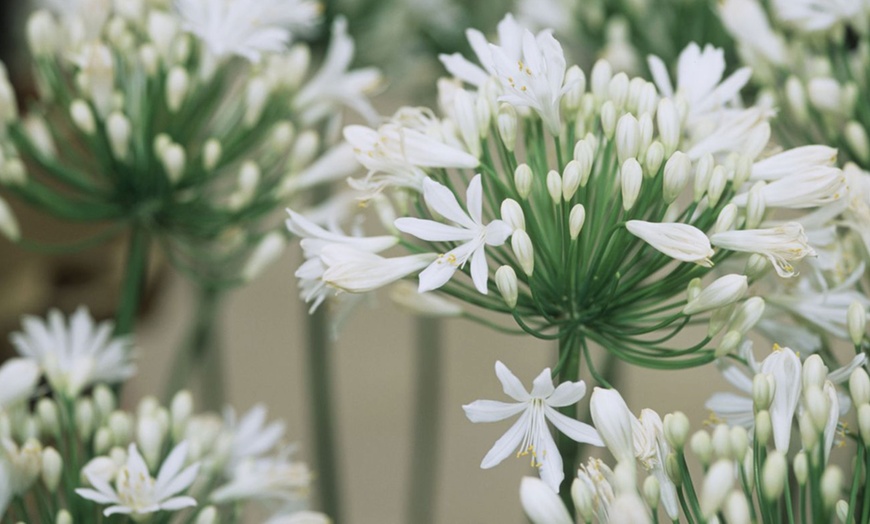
<point>506,121</point>
<point>678,171</point>
<point>211,153</point>
<point>729,342</point>
<point>809,434</point>
<point>832,485</point>
<point>103,441</point>
<point>748,314</point>
<point>773,476</point>
<point>599,80</point>
<point>42,34</point>
<point>121,425</point>
<point>173,159</point>
<point>584,155</point>
<point>717,485</point>
<point>739,443</point>
<point>483,116</point>
<point>655,155</point>
<point>575,83</point>
<point>652,492</point>
<point>150,436</point>
<point>617,89</point>
<point>864,423</point>
<point>256,96</point>
<point>627,137</point>
<point>721,441</point>
<point>814,372</point>
<point>716,186</point>
<point>608,119</point>
<point>506,282</point>
<point>177,86</point>
<point>85,418</point>
<point>672,469</point>
<point>150,59</point>
<point>736,509</point>
<point>762,392</point>
<point>119,131</point>
<point>584,499</point>
<point>842,510</point>
<point>63,517</point>
<point>647,99</point>
<point>554,186</point>
<point>722,292</point>
<point>180,410</point>
<point>702,447</point>
<point>856,321</point>
<point>12,172</point>
<point>631,176</point>
<point>208,515</point>
<point>763,427</point>
<point>826,95</point>
<point>817,405</point>
<point>755,206</point>
<point>8,224</point>
<point>161,142</point>
<point>742,171</point>
<point>676,429</point>
<point>856,137</point>
<point>49,417</point>
<point>796,98</point>
<point>859,387</point>
<point>523,180</point>
<point>512,213</point>
<point>162,29</point>
<point>646,126</point>
<point>304,150</point>
<point>267,251</point>
<point>703,173</point>
<point>576,219</point>
<point>82,116</point>
<point>800,466</point>
<point>726,219</point>
<point>104,401</point>
<point>52,467</point>
<point>668,120</point>
<point>572,175</point>
<point>522,247</point>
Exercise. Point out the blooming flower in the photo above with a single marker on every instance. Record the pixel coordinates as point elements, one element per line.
<point>76,355</point>
<point>746,20</point>
<point>18,380</point>
<point>469,228</point>
<point>136,493</point>
<point>676,240</point>
<point>510,38</point>
<point>781,244</point>
<point>251,437</point>
<point>266,478</point>
<point>529,433</point>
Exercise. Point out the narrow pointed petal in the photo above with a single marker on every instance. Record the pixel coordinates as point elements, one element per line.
<point>511,384</point>
<point>578,431</point>
<point>507,444</point>
<point>492,410</point>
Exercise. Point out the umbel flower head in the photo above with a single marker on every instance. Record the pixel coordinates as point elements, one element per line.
<point>188,125</point>
<point>596,206</point>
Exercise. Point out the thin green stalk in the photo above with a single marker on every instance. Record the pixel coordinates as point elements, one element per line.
<point>427,421</point>
<point>569,449</point>
<point>690,488</point>
<point>324,434</point>
<point>856,481</point>
<point>134,280</point>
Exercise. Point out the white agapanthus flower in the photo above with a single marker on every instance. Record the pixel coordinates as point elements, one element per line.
<point>816,15</point>
<point>781,245</point>
<point>679,241</point>
<point>247,28</point>
<point>469,229</point>
<point>251,437</point>
<point>510,35</point>
<point>541,505</point>
<point>137,493</point>
<point>530,434</point>
<point>266,478</point>
<point>76,354</point>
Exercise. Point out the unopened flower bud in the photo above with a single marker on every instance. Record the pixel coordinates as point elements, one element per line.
<point>150,437</point>
<point>177,86</point>
<point>856,137</point>
<point>716,186</point>
<point>103,441</point>
<point>180,410</point>
<point>755,205</point>
<point>627,137</point>
<point>742,171</point>
<point>717,485</point>
<point>121,424</point>
<point>42,34</point>
<point>632,177</point>
<point>83,117</point>
<point>748,314</point>
<point>678,170</point>
<point>282,136</point>
<point>762,392</point>
<point>104,401</point>
<point>208,515</point>
<point>801,469</point>
<point>864,423</point>
<point>856,321</point>
<point>723,291</point>
<point>521,244</point>
<point>814,372</point>
<point>119,131</point>
<point>739,442</point>
<point>842,510</point>
<point>512,213</point>
<point>736,509</point>
<point>773,476</point>
<point>52,467</point>
<point>506,121</point>
<point>655,155</point>
<point>85,418</point>
<point>693,289</point>
<point>268,249</point>
<point>672,469</point>
<point>669,125</point>
<point>726,219</point>
<point>304,150</point>
<point>763,427</point>
<point>506,282</point>
<point>583,499</point>
<point>575,83</point>
<point>729,343</point>
<point>599,80</point>
<point>608,119</point>
<point>523,180</point>
<point>554,186</point>
<point>8,224</point>
<point>211,153</point>
<point>859,387</point>
<point>576,219</point>
<point>703,173</point>
<point>571,178</point>
<point>63,517</point>
<point>652,492</point>
<point>676,428</point>
<point>173,159</point>
<point>808,431</point>
<point>721,441</point>
<point>48,415</point>
<point>832,484</point>
<point>796,98</point>
<point>702,447</point>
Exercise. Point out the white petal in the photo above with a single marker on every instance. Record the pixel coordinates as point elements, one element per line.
<point>474,199</point>
<point>511,384</point>
<point>551,461</point>
<point>432,231</point>
<point>541,504</point>
<point>492,410</point>
<point>177,503</point>
<point>567,393</point>
<point>508,442</point>
<point>542,387</point>
<point>441,200</point>
<point>578,431</point>
<point>480,270</point>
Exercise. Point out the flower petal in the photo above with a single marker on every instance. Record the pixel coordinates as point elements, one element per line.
<point>510,383</point>
<point>578,431</point>
<point>480,270</point>
<point>441,200</point>
<point>492,410</point>
<point>508,442</point>
<point>567,393</point>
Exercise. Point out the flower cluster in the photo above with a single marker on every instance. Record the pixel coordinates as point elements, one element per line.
<point>68,453</point>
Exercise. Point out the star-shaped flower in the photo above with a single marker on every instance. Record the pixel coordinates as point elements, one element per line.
<point>469,229</point>
<point>530,434</point>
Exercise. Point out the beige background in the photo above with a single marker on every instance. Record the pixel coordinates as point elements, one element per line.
<point>262,329</point>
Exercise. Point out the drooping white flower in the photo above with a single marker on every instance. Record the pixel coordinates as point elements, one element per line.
<point>357,271</point>
<point>77,354</point>
<point>781,245</point>
<point>808,188</point>
<point>246,28</point>
<point>333,85</point>
<point>469,229</point>
<point>510,35</point>
<point>136,493</point>
<point>530,435</point>
<point>676,240</point>
<point>535,81</point>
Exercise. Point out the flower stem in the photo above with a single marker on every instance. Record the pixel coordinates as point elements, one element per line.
<point>569,345</point>
<point>134,280</point>
<point>324,433</point>
<point>427,421</point>
<point>201,351</point>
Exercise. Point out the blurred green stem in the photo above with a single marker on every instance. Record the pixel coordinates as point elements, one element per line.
<point>427,421</point>
<point>324,434</point>
<point>570,348</point>
<point>134,280</point>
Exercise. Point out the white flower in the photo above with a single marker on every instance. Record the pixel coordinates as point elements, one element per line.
<point>781,244</point>
<point>265,478</point>
<point>530,434</point>
<point>469,229</point>
<point>510,38</point>
<point>136,493</point>
<point>784,164</point>
<point>18,380</point>
<point>723,291</point>
<point>815,15</point>
<point>334,85</point>
<point>812,187</point>
<point>250,437</point>
<point>299,517</point>
<point>535,81</point>
<point>747,22</point>
<point>76,355</point>
<point>357,271</point>
<point>541,505</point>
<point>597,479</point>
<point>676,240</point>
<point>246,28</point>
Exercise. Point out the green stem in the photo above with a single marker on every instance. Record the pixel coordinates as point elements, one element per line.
<point>324,433</point>
<point>569,449</point>
<point>201,351</point>
<point>427,421</point>
<point>134,280</point>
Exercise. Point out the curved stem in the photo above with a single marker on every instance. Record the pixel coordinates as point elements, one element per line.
<point>134,280</point>
<point>427,421</point>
